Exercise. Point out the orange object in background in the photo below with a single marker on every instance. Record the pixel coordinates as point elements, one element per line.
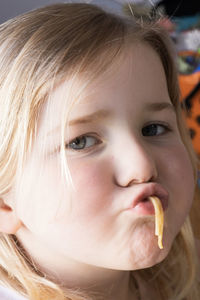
<point>190,95</point>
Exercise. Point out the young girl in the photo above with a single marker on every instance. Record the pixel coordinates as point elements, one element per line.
<point>90,129</point>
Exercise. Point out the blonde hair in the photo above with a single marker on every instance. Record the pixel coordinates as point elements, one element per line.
<point>37,51</point>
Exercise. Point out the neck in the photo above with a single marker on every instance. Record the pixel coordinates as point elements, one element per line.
<point>98,282</point>
<point>109,285</point>
<point>116,287</point>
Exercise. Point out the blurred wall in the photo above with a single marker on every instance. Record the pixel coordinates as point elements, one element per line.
<point>12,8</point>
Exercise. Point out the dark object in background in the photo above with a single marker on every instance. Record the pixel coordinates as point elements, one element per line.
<point>180,8</point>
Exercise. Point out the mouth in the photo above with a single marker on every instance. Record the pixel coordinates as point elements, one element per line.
<point>142,205</point>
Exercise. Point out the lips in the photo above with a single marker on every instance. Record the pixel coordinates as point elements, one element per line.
<point>141,203</point>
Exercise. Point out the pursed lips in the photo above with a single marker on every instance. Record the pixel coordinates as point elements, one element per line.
<point>143,191</point>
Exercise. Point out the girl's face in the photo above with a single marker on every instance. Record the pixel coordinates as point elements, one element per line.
<point>123,145</point>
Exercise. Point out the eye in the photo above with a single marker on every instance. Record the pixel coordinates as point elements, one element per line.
<point>154,129</point>
<point>82,142</point>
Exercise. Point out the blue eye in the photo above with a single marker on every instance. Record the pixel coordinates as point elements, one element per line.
<point>154,129</point>
<point>82,142</point>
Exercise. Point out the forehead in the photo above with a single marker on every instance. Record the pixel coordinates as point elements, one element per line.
<point>138,65</point>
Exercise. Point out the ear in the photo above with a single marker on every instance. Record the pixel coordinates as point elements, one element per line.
<point>9,222</point>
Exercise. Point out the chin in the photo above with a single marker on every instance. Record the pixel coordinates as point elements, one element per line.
<point>149,255</point>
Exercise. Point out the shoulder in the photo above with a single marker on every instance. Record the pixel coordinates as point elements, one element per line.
<point>7,294</point>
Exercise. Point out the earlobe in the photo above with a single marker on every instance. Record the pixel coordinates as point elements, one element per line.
<point>9,222</point>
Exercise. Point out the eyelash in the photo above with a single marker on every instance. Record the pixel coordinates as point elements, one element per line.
<point>97,141</point>
<point>164,126</point>
<point>84,138</point>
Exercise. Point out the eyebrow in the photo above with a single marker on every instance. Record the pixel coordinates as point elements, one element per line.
<point>159,106</point>
<point>94,117</point>
<point>91,118</point>
<point>104,114</point>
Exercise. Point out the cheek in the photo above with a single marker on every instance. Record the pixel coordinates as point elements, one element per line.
<point>40,195</point>
<point>182,171</point>
<point>179,180</point>
<point>44,198</point>
<point>93,186</point>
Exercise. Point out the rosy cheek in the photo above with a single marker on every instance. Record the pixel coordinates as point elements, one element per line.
<point>179,180</point>
<point>93,186</point>
<point>183,168</point>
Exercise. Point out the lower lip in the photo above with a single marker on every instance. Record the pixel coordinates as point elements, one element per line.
<point>147,208</point>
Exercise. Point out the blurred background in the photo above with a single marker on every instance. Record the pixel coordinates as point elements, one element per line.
<point>12,8</point>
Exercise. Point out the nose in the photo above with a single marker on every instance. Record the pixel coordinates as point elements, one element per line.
<point>134,162</point>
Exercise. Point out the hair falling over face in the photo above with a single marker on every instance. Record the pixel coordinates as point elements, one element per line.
<point>41,48</point>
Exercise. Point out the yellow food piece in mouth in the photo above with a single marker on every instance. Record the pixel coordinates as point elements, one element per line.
<point>159,219</point>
